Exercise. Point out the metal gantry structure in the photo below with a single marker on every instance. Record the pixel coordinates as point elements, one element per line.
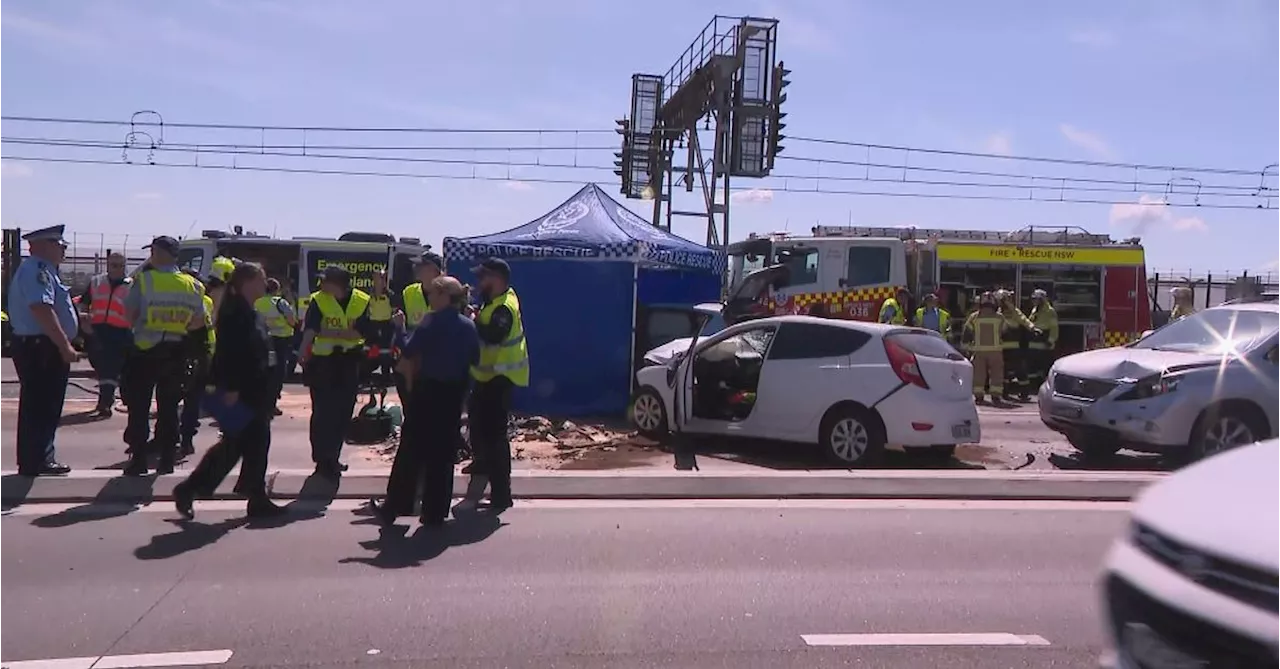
<point>730,80</point>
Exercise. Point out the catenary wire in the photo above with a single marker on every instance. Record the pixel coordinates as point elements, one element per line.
<point>199,150</point>
<point>476,177</point>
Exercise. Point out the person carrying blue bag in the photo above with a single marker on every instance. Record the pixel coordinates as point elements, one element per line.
<point>241,397</point>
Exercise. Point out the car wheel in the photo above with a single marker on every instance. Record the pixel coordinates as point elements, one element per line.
<point>850,436</point>
<point>1222,429</point>
<point>1095,447</point>
<point>649,414</point>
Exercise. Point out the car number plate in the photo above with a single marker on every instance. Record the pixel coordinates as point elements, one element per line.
<point>962,431</point>
<point>1065,411</point>
<point>1149,649</point>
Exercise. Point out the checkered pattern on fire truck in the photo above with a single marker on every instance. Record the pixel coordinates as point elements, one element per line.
<point>838,302</point>
<point>1112,338</point>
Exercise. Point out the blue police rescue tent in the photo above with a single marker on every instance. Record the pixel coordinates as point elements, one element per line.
<point>580,272</point>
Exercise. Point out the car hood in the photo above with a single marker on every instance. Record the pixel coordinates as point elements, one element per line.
<point>1224,505</point>
<point>1130,363</point>
<point>668,351</point>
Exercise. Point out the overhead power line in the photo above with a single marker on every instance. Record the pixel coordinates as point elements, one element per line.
<point>298,128</point>
<point>477,177</point>
<point>1032,184</point>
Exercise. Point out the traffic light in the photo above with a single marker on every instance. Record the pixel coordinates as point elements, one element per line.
<point>780,73</point>
<point>622,159</point>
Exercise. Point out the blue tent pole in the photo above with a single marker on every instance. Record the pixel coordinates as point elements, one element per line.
<point>635,308</point>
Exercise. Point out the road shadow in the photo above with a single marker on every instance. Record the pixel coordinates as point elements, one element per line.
<point>785,456</point>
<point>191,535</point>
<point>1120,462</point>
<point>82,418</point>
<point>313,500</point>
<point>119,496</point>
<point>396,549</point>
<point>15,489</point>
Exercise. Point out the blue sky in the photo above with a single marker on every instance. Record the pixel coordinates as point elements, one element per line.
<point>1152,82</point>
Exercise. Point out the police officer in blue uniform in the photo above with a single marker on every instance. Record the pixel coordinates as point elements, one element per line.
<point>44,321</point>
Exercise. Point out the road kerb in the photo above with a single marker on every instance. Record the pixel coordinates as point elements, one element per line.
<point>629,484</point>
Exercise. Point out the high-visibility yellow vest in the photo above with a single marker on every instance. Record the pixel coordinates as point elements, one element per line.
<point>380,307</point>
<point>338,327</point>
<point>986,331</point>
<point>170,300</point>
<point>899,316</point>
<point>211,333</point>
<point>1014,320</point>
<point>415,305</point>
<point>944,319</point>
<point>509,358</point>
<point>268,306</point>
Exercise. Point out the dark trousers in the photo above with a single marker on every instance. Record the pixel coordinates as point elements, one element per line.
<point>284,362</point>
<point>333,381</point>
<point>1039,360</point>
<point>427,446</point>
<point>1013,359</point>
<point>189,421</point>
<point>160,370</point>
<point>249,446</point>
<point>489,413</point>
<point>42,378</point>
<point>107,351</point>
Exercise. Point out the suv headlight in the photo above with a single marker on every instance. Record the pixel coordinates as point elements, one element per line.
<point>1152,386</point>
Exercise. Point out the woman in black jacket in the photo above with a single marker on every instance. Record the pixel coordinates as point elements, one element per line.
<point>241,373</point>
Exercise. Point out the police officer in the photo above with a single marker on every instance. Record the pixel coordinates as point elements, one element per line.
<point>197,371</point>
<point>383,305</point>
<point>112,335</point>
<point>334,333</point>
<point>168,311</point>
<point>427,267</point>
<point>44,320</point>
<point>280,320</point>
<point>504,364</point>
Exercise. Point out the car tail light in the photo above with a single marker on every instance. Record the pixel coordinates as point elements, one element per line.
<point>904,363</point>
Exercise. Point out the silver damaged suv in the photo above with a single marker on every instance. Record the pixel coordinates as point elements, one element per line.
<point>1199,385</point>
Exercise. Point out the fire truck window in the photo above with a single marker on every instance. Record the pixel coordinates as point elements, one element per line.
<point>868,266</point>
<point>803,264</point>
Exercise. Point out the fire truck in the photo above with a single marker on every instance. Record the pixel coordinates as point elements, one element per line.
<point>1097,284</point>
<point>298,262</point>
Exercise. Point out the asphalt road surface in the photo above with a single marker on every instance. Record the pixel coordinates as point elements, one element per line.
<point>769,585</point>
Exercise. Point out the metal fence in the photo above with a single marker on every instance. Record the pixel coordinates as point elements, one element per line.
<point>1210,288</point>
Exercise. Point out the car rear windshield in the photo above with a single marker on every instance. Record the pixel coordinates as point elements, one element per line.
<point>925,345</point>
<point>1214,331</point>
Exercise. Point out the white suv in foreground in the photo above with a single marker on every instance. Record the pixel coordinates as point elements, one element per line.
<point>1193,582</point>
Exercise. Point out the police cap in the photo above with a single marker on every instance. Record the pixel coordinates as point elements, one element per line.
<point>430,258</point>
<point>52,233</point>
<point>493,266</point>
<point>336,274</point>
<point>164,243</point>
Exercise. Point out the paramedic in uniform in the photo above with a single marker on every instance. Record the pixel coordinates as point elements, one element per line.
<point>168,312</point>
<point>504,364</point>
<point>982,334</point>
<point>335,329</point>
<point>112,335</point>
<point>44,320</point>
<point>277,315</point>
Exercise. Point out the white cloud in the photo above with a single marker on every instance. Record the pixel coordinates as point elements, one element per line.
<point>754,195</point>
<point>1152,213</point>
<point>147,195</point>
<point>1096,38</point>
<point>9,169</point>
<point>1086,140</point>
<point>1000,143</point>
<point>519,186</point>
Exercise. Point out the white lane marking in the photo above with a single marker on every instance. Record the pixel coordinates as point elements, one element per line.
<point>980,639</point>
<point>183,659</point>
<point>235,506</point>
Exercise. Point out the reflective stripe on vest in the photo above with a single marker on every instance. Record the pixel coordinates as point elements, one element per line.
<point>169,300</point>
<point>899,318</point>
<point>415,305</point>
<point>338,327</point>
<point>379,308</point>
<point>509,358</point>
<point>268,306</point>
<point>106,305</point>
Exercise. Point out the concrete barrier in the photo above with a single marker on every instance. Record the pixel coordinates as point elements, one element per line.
<point>108,486</point>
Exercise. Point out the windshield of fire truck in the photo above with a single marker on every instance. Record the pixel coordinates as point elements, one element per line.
<point>746,257</point>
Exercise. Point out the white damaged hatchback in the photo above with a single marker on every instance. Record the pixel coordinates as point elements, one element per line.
<point>847,386</point>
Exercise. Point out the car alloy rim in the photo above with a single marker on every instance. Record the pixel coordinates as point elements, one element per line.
<point>849,439</point>
<point>647,413</point>
<point>1227,432</point>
